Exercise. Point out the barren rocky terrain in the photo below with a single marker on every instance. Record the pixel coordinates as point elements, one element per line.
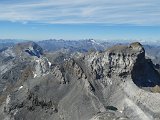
<point>119,83</point>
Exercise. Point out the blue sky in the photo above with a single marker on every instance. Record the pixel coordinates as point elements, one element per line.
<point>80,19</point>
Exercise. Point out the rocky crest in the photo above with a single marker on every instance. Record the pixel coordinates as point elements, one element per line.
<point>122,61</point>
<point>31,48</point>
<point>118,60</point>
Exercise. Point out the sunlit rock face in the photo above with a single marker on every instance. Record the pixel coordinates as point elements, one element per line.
<point>118,60</point>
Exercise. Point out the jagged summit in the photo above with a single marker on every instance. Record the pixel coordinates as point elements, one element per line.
<point>135,47</point>
<point>31,48</point>
<point>123,61</point>
<point>23,49</point>
<point>118,60</point>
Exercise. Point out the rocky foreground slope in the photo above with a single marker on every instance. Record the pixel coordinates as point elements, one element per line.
<point>117,84</point>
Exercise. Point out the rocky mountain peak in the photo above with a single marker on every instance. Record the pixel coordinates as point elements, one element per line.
<point>132,49</point>
<point>31,48</point>
<point>117,60</point>
<point>136,46</point>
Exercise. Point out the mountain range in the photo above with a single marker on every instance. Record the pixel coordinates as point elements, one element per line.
<point>79,80</point>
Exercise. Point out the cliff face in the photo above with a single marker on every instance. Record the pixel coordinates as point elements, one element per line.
<point>118,60</point>
<point>122,61</point>
<point>114,84</point>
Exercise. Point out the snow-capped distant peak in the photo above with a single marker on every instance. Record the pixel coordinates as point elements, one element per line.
<point>93,41</point>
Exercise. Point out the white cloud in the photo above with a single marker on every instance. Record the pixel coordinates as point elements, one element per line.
<point>138,12</point>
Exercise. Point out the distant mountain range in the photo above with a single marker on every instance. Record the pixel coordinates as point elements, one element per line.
<point>152,48</point>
